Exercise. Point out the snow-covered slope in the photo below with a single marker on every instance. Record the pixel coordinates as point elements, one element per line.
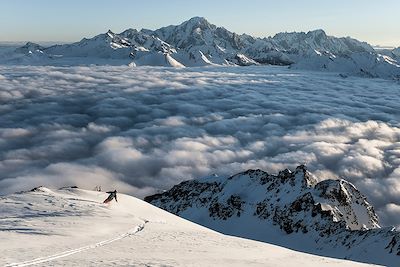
<point>70,227</point>
<point>331,218</point>
<point>197,42</point>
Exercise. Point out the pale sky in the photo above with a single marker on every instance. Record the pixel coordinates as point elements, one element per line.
<point>376,22</point>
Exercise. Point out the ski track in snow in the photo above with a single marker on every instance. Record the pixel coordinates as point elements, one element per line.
<point>66,253</point>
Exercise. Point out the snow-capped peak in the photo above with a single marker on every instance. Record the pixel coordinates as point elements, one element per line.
<point>30,47</point>
<point>197,22</point>
<point>317,33</point>
<point>110,34</point>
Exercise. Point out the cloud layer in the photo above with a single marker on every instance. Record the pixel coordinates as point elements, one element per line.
<point>145,129</point>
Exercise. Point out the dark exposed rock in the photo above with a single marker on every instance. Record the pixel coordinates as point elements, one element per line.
<point>232,207</point>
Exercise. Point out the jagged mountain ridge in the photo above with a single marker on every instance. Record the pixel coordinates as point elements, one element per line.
<point>197,42</point>
<point>332,215</point>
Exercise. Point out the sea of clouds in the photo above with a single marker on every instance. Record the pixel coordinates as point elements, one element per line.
<point>141,130</point>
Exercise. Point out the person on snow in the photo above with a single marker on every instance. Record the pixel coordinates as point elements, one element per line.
<point>113,194</point>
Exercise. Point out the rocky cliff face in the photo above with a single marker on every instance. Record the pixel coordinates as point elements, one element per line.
<point>334,214</point>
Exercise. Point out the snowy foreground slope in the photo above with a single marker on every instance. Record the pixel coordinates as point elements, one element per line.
<point>70,227</point>
<point>330,218</point>
<point>197,42</point>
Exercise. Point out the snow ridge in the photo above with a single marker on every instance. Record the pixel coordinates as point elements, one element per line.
<point>333,215</point>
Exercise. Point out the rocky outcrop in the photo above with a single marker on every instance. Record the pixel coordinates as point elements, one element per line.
<point>333,213</point>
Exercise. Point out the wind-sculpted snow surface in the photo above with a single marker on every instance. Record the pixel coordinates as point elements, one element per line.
<point>330,218</point>
<point>145,129</point>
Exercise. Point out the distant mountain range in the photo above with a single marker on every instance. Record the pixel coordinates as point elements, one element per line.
<point>291,209</point>
<point>197,42</point>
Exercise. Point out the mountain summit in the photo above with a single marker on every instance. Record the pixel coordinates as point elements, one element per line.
<point>291,209</point>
